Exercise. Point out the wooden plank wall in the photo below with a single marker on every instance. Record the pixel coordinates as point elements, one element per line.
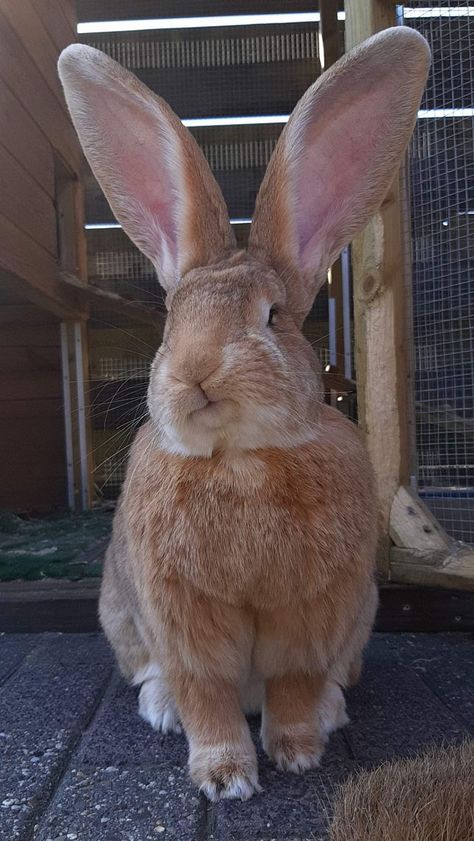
<point>32,466</point>
<point>35,132</point>
<point>35,128</point>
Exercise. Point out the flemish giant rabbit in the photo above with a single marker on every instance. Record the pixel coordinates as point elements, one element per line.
<point>240,571</point>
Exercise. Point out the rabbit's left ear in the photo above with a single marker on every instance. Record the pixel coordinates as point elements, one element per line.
<point>336,158</point>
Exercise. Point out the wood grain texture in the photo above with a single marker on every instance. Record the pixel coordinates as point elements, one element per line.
<point>24,140</point>
<point>57,21</point>
<point>36,272</point>
<point>412,525</point>
<point>380,317</point>
<point>19,71</point>
<point>35,35</point>
<point>26,204</point>
<point>454,570</point>
<point>69,8</point>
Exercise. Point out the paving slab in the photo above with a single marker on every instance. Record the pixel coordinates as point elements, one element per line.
<point>291,807</point>
<point>120,737</point>
<point>394,714</point>
<point>123,804</point>
<point>13,649</point>
<point>44,708</point>
<point>126,781</point>
<point>77,762</point>
<point>444,662</point>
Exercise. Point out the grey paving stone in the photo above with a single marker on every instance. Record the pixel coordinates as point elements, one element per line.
<point>13,649</point>
<point>123,804</point>
<point>65,736</point>
<point>393,714</point>
<point>291,807</point>
<point>120,737</point>
<point>445,663</point>
<point>126,781</point>
<point>43,711</point>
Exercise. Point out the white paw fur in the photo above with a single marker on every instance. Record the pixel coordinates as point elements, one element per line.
<point>332,709</point>
<point>224,771</point>
<point>239,787</point>
<point>299,763</point>
<point>155,702</point>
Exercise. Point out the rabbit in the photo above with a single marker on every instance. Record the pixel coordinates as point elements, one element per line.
<point>240,573</point>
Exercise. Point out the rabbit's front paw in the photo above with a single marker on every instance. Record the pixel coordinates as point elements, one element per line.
<point>293,750</point>
<point>222,772</point>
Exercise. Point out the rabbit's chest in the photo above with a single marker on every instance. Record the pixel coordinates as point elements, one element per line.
<point>260,536</point>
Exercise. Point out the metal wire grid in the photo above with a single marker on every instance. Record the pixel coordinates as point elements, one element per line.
<point>139,51</point>
<point>123,368</point>
<point>442,215</point>
<point>126,272</point>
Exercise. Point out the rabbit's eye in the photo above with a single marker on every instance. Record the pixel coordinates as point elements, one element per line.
<point>271,317</point>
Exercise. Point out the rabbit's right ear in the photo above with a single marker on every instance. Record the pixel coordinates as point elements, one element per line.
<point>153,173</point>
<point>336,158</point>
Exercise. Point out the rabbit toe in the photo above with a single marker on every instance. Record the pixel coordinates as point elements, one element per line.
<point>222,774</point>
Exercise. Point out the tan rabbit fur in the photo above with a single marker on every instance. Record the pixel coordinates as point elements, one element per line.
<point>240,571</point>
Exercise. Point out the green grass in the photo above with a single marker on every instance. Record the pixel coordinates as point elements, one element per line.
<point>64,546</point>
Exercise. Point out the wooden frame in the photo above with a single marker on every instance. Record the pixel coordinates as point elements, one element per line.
<point>413,546</point>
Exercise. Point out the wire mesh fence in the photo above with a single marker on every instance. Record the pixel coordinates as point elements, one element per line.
<point>442,221</point>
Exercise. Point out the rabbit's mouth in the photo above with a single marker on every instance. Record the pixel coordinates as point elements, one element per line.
<point>213,414</point>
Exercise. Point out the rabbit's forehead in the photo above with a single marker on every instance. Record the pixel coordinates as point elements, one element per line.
<point>239,290</point>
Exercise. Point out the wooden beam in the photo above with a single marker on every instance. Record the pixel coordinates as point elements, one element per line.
<point>57,21</point>
<point>71,606</point>
<point>380,317</point>
<point>90,10</point>
<point>450,570</point>
<point>101,299</point>
<point>329,30</point>
<point>34,273</point>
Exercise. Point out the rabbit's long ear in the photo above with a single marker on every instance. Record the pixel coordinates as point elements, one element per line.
<point>153,173</point>
<point>335,159</point>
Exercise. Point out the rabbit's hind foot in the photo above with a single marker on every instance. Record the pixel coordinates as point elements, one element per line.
<point>156,704</point>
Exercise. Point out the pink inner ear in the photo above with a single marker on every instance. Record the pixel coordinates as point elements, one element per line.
<point>148,194</point>
<point>138,172</point>
<point>340,149</point>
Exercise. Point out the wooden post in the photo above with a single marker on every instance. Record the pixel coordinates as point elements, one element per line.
<point>423,552</point>
<point>73,260</point>
<point>329,54</point>
<point>380,317</point>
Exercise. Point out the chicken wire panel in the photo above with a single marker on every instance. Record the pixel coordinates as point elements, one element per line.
<point>442,219</point>
<point>116,265</point>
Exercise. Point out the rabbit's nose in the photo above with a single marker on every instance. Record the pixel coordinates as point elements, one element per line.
<point>195,370</point>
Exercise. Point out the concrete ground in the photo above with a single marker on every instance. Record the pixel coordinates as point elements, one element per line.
<point>76,761</point>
